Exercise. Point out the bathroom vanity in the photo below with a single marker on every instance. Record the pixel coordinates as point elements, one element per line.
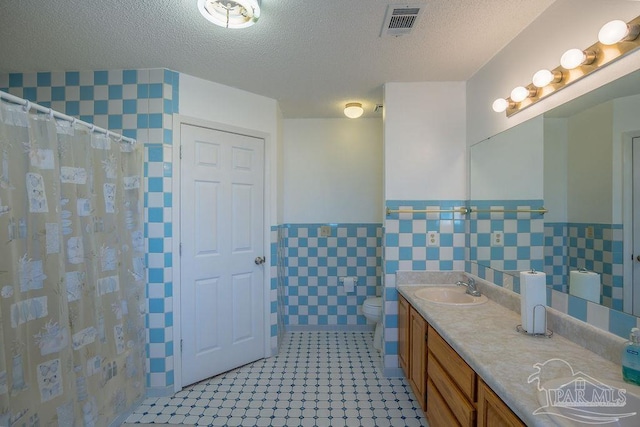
<point>468,366</point>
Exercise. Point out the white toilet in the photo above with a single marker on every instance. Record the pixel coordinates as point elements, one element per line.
<point>372,310</point>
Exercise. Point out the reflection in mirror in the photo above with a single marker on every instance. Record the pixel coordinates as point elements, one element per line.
<point>586,172</point>
<point>506,173</point>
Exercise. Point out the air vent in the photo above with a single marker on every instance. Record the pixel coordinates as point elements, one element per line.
<point>400,20</point>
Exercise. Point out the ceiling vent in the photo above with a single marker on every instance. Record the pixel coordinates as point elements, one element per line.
<point>400,20</point>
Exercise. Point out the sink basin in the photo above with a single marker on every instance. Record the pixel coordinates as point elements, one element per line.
<point>450,295</point>
<point>581,399</point>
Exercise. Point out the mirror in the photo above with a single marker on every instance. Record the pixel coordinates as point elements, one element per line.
<point>576,161</point>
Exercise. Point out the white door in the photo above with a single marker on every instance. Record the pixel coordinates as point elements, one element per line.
<point>635,146</point>
<point>221,227</point>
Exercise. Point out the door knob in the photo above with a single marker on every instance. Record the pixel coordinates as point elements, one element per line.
<point>259,260</point>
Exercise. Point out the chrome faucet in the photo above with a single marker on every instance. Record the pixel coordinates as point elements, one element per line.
<point>471,286</point>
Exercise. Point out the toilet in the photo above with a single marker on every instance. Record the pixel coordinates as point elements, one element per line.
<point>372,310</point>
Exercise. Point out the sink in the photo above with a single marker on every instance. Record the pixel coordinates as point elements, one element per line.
<point>581,399</point>
<point>450,295</point>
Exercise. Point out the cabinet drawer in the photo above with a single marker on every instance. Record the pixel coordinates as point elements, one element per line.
<point>463,410</point>
<point>492,411</point>
<point>438,413</point>
<point>458,370</point>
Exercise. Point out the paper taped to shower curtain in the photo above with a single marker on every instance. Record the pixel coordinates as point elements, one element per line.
<point>72,303</point>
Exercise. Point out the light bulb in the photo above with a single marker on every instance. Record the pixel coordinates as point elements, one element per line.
<point>500,105</point>
<point>353,110</point>
<point>230,13</point>
<point>613,32</point>
<point>544,77</point>
<point>519,94</point>
<point>573,58</point>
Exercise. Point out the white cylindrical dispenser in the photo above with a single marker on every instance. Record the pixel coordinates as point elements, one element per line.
<point>585,284</point>
<point>533,299</point>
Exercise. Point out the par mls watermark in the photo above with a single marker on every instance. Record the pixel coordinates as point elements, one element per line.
<point>574,396</point>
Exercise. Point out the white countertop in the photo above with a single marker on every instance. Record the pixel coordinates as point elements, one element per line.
<point>485,336</point>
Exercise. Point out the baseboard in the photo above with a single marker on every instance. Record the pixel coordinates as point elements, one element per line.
<point>160,391</point>
<point>330,328</point>
<point>123,416</point>
<point>393,372</point>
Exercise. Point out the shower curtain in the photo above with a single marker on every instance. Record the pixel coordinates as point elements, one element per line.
<point>72,302</point>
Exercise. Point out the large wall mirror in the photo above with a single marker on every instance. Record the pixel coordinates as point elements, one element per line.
<point>581,161</point>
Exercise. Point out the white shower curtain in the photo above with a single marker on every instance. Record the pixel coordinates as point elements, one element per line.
<point>72,302</point>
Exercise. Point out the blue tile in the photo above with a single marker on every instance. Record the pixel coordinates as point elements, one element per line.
<point>155,185</point>
<point>100,78</point>
<point>156,305</point>
<point>15,80</point>
<point>129,77</point>
<point>115,121</point>
<point>115,91</point>
<point>156,215</point>
<point>72,108</point>
<point>156,245</point>
<point>156,335</point>
<point>143,91</point>
<point>621,323</point>
<point>155,90</point>
<point>86,93</point>
<point>578,308</point>
<point>101,107</point>
<point>30,93</point>
<point>72,78</point>
<point>130,106</point>
<point>156,364</point>
<point>58,93</point>
<point>156,275</point>
<point>43,79</point>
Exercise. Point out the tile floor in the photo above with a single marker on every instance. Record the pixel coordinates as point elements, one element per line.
<point>317,379</point>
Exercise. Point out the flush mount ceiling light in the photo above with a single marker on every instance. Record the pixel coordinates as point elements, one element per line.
<point>615,39</point>
<point>230,13</point>
<point>353,110</point>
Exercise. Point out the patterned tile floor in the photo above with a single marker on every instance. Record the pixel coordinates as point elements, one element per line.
<point>318,379</point>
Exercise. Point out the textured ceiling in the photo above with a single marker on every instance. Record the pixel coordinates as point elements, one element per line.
<point>313,56</point>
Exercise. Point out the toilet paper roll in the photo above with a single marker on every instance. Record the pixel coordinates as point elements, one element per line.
<point>585,284</point>
<point>349,284</point>
<point>533,295</point>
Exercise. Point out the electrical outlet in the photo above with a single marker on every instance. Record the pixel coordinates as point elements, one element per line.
<point>433,238</point>
<point>325,231</point>
<point>590,232</point>
<point>497,238</point>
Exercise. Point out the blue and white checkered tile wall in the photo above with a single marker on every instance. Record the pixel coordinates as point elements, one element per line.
<point>555,255</point>
<point>314,297</point>
<point>596,247</point>
<point>139,104</point>
<point>522,235</point>
<point>418,241</point>
<point>281,284</point>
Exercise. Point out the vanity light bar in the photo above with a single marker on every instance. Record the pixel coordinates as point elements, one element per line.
<point>575,64</point>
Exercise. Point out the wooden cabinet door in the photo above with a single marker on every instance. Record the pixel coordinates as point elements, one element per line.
<point>418,356</point>
<point>492,411</point>
<point>403,335</point>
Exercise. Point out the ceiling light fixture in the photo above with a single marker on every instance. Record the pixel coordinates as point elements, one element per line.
<point>615,39</point>
<point>230,13</point>
<point>353,110</point>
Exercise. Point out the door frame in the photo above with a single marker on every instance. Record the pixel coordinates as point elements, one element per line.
<point>631,300</point>
<point>178,121</point>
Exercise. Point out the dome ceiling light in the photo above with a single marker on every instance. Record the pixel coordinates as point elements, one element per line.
<point>230,13</point>
<point>353,110</point>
